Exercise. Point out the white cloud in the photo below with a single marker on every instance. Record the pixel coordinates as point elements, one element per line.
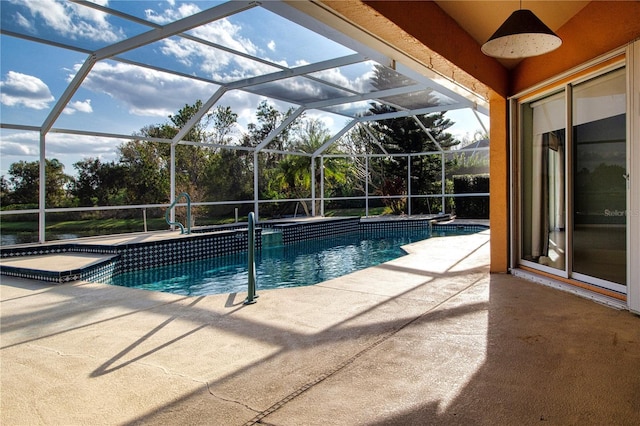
<point>328,120</point>
<point>359,83</point>
<point>82,106</point>
<point>23,22</point>
<point>271,45</point>
<point>71,20</point>
<point>66,148</point>
<point>81,146</point>
<point>243,104</point>
<point>26,144</point>
<point>239,68</point>
<point>20,145</point>
<point>145,92</point>
<point>227,34</point>
<point>78,106</point>
<point>172,14</point>
<point>22,89</point>
<point>217,64</point>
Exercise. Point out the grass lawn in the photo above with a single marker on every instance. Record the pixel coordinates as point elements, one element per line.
<point>90,227</point>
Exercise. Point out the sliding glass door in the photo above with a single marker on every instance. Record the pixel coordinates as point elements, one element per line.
<point>573,188</point>
<point>599,179</point>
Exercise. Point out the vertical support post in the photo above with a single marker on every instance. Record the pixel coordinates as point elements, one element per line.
<point>322,186</point>
<point>255,184</point>
<point>409,184</point>
<point>313,186</point>
<point>188,212</point>
<point>366,186</point>
<point>251,261</point>
<point>443,177</point>
<point>42,194</point>
<point>172,188</point>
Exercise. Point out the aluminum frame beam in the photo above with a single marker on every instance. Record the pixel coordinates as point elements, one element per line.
<point>410,112</point>
<point>173,28</point>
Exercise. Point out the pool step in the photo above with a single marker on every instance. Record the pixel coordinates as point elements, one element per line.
<point>271,238</point>
<point>60,267</point>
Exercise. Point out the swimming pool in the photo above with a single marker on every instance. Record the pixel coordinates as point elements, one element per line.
<point>292,265</point>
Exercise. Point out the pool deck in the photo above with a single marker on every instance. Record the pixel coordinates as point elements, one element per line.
<point>429,338</point>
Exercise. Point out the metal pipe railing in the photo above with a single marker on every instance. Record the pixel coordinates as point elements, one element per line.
<point>166,215</point>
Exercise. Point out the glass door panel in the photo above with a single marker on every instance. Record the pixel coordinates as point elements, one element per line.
<point>599,184</point>
<point>543,184</point>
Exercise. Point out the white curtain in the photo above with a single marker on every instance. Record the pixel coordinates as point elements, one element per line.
<point>559,210</point>
<point>547,171</point>
<point>537,213</point>
<point>556,182</point>
<point>539,197</point>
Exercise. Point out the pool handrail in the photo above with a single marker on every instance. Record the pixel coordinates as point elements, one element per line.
<point>178,224</point>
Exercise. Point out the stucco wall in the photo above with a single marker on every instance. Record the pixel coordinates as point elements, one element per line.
<point>599,28</point>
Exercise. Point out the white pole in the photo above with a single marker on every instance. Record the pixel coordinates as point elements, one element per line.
<point>366,187</point>
<point>42,184</point>
<point>255,185</point>
<point>409,184</point>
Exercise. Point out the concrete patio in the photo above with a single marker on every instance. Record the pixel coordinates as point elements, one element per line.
<point>430,338</point>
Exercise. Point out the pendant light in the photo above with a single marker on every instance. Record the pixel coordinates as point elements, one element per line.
<point>522,35</point>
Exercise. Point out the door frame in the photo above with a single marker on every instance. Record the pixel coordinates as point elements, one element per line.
<point>629,58</point>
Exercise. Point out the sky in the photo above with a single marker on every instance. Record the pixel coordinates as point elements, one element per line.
<point>120,98</point>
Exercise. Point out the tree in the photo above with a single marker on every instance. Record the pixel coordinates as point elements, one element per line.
<point>423,133</point>
<point>229,173</point>
<point>358,144</point>
<point>148,163</point>
<point>204,171</point>
<point>292,177</point>
<point>146,168</point>
<point>223,121</point>
<point>98,183</point>
<point>24,178</point>
<point>198,133</point>
<point>268,119</point>
<point>5,192</point>
<point>229,177</point>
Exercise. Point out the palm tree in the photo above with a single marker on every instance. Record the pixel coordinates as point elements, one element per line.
<point>292,177</point>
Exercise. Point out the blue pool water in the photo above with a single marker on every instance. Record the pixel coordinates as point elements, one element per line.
<point>299,264</point>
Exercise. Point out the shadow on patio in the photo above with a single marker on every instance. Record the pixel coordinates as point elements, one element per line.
<point>420,340</point>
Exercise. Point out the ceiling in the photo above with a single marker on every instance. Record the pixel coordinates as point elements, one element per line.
<point>482,18</point>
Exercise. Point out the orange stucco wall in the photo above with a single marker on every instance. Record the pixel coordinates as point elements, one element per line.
<point>599,28</point>
<point>499,184</point>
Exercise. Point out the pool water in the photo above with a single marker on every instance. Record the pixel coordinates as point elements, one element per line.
<point>293,265</point>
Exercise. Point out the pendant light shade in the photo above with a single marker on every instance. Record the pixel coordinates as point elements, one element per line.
<point>522,35</point>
